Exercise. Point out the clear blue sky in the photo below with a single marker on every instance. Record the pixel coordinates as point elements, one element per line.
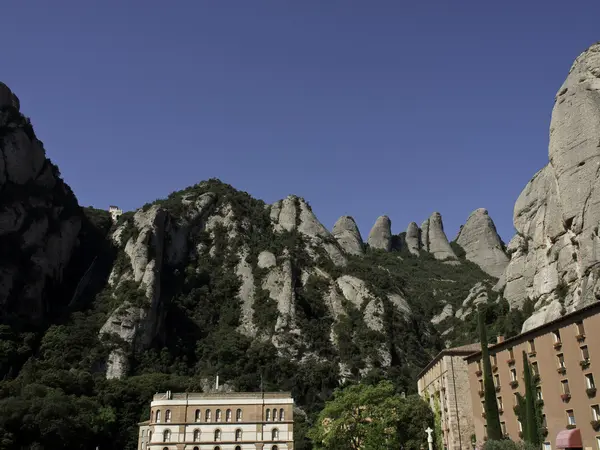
<point>362,107</point>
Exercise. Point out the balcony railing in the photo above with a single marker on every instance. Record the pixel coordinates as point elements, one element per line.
<point>562,370</point>
<point>580,337</point>
<point>591,392</point>
<point>565,397</point>
<point>595,424</point>
<point>514,384</point>
<point>557,345</point>
<point>584,363</point>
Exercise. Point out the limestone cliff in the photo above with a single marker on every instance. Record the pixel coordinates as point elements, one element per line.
<point>434,239</point>
<point>555,253</point>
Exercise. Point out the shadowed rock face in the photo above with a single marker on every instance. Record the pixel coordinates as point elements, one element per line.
<point>348,236</point>
<point>434,239</point>
<point>412,239</point>
<point>558,213</point>
<point>380,236</point>
<point>481,243</point>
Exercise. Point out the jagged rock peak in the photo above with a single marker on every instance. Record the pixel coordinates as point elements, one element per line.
<point>481,243</point>
<point>348,235</point>
<point>380,236</point>
<point>434,239</point>
<point>554,255</point>
<point>412,239</point>
<point>7,98</point>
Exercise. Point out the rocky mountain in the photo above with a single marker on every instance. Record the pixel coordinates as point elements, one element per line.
<point>209,280</point>
<point>554,258</point>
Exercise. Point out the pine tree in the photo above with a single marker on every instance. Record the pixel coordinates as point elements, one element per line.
<point>492,417</point>
<point>531,431</point>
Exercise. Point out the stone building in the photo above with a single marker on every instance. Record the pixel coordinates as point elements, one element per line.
<point>219,421</point>
<point>115,212</point>
<point>445,384</point>
<point>563,355</point>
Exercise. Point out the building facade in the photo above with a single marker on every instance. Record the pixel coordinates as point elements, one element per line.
<point>115,212</point>
<point>445,384</point>
<point>565,358</point>
<point>219,421</point>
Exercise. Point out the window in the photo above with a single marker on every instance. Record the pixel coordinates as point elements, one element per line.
<point>158,416</point>
<point>511,354</point>
<point>196,448</point>
<point>274,434</point>
<point>481,385</point>
<point>585,354</point>
<point>565,387</point>
<point>274,447</point>
<point>168,415</point>
<point>217,435</point>
<point>520,425</point>
<point>513,374</point>
<point>516,399</point>
<point>238,435</point>
<point>151,416</point>
<point>556,336</point>
<point>595,412</point>
<point>281,414</point>
<point>580,329</point>
<point>167,436</point>
<point>561,360</point>
<point>483,406</point>
<point>228,415</point>
<point>570,417</point>
<point>547,446</point>
<point>500,404</point>
<point>196,435</point>
<point>238,415</point>
<point>237,447</point>
<point>531,346</point>
<point>207,415</point>
<point>143,433</point>
<point>598,442</point>
<point>479,366</point>
<point>268,415</point>
<point>534,368</point>
<point>589,381</point>
<point>538,392</point>
<point>494,360</point>
<point>544,421</point>
<point>485,431</point>
<point>275,414</point>
<point>197,416</point>
<point>217,448</point>
<point>503,426</point>
<point>149,436</point>
<point>218,415</point>
<point>497,380</point>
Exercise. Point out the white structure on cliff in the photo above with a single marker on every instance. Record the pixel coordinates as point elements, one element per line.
<point>115,212</point>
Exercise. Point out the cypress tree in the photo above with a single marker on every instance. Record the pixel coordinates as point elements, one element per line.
<point>492,417</point>
<point>531,432</point>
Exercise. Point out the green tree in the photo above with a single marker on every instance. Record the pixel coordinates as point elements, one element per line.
<point>492,417</point>
<point>528,409</point>
<point>368,417</point>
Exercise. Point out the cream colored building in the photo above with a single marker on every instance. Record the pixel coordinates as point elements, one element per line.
<point>445,384</point>
<point>219,421</point>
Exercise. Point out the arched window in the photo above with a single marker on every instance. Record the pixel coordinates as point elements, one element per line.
<point>152,416</point>
<point>268,414</point>
<point>196,448</point>
<point>217,435</point>
<point>238,435</point>
<point>165,448</point>
<point>238,415</point>
<point>281,414</point>
<point>218,415</point>
<point>217,448</point>
<point>158,416</point>
<point>196,435</point>
<point>197,416</point>
<point>207,416</point>
<point>168,415</point>
<point>149,436</point>
<point>274,447</point>
<point>228,415</point>
<point>237,447</point>
<point>275,414</point>
<point>274,434</point>
<point>167,436</point>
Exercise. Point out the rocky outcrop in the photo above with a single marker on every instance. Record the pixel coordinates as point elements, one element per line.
<point>434,239</point>
<point>138,319</point>
<point>380,236</point>
<point>413,238</point>
<point>556,251</point>
<point>293,213</point>
<point>346,232</point>
<point>481,243</point>
<point>40,219</point>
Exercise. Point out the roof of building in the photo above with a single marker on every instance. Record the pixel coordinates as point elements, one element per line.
<point>145,422</point>
<point>586,311</point>
<point>463,350</point>
<point>214,395</point>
